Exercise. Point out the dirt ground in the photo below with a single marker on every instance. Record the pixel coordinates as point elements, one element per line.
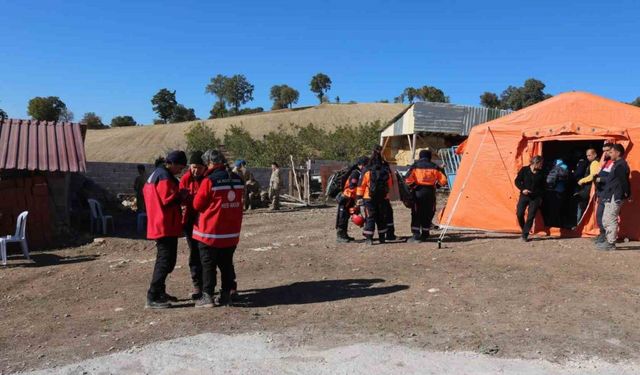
<point>548,299</point>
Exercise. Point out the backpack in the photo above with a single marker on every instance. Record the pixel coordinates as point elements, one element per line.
<point>378,182</point>
<point>337,180</point>
<point>405,193</point>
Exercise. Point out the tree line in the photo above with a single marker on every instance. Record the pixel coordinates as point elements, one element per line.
<point>232,92</point>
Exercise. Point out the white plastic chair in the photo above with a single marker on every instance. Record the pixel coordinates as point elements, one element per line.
<point>20,237</point>
<point>99,220</point>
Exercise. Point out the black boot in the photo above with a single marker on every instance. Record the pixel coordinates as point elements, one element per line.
<point>341,236</point>
<point>425,236</point>
<point>601,238</point>
<point>383,237</point>
<point>391,235</point>
<point>368,240</point>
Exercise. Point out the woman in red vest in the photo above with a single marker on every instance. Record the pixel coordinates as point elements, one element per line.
<point>219,204</point>
<point>162,199</point>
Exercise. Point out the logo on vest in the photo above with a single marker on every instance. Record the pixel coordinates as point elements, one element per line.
<point>231,196</point>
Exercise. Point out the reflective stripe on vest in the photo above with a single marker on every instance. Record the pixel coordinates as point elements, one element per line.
<point>220,236</point>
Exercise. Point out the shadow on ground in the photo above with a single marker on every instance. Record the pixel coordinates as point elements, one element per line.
<point>315,292</point>
<point>48,259</point>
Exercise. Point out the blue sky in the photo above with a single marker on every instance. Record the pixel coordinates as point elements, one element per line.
<point>111,57</point>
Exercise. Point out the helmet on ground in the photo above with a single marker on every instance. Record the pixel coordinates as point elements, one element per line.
<point>357,220</point>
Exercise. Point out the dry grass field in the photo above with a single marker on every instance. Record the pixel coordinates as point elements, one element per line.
<point>144,143</point>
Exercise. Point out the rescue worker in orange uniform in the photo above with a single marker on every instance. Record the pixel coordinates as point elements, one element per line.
<point>347,200</point>
<point>423,177</point>
<point>372,192</point>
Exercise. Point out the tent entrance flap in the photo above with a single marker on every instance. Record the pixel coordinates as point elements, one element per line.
<point>565,202</point>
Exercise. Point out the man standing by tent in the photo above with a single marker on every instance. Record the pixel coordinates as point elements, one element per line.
<point>530,182</point>
<point>607,163</point>
<point>616,191</point>
<point>584,184</point>
<point>422,178</point>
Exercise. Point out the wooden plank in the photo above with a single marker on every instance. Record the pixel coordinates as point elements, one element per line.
<point>34,146</point>
<point>23,147</point>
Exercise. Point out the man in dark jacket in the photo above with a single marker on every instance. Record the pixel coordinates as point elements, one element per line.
<point>162,198</point>
<point>616,190</point>
<point>189,184</point>
<point>530,182</point>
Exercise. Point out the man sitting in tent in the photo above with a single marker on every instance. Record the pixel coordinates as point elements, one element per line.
<point>530,182</point>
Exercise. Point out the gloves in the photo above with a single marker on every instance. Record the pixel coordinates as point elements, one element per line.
<point>359,202</point>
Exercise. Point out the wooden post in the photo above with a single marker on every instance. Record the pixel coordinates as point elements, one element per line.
<point>413,148</point>
<point>295,177</point>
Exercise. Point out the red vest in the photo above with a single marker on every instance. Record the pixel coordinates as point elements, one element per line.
<point>191,184</point>
<point>219,202</point>
<point>162,200</point>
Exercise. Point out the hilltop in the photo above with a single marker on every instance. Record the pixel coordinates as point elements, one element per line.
<point>144,143</point>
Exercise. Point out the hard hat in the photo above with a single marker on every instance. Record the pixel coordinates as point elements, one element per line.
<point>357,220</point>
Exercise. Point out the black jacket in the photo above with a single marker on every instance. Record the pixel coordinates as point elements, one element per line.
<point>527,180</point>
<point>617,185</point>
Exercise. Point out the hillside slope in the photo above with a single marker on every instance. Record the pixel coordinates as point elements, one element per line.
<point>144,143</point>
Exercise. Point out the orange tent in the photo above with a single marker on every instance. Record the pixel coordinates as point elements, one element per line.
<point>485,196</point>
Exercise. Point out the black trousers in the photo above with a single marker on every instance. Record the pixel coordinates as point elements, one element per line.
<point>376,216</point>
<point>195,265</point>
<point>423,209</point>
<point>389,214</point>
<point>165,263</point>
<point>523,203</point>
<point>342,217</point>
<point>599,213</point>
<point>222,258</point>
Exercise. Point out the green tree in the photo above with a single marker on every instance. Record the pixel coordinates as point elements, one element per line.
<point>283,96</point>
<point>201,138</point>
<point>410,93</point>
<point>516,98</point>
<point>46,108</point>
<point>636,102</point>
<point>119,121</point>
<point>66,115</point>
<point>399,98</point>
<point>217,87</point>
<point>238,91</point>
<point>320,84</point>
<point>432,94</point>
<point>241,145</point>
<point>219,110</point>
<point>164,104</point>
<point>182,114</point>
<point>3,115</point>
<point>489,100</point>
<point>92,121</point>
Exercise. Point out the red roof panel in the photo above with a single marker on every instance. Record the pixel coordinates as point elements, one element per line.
<point>41,145</point>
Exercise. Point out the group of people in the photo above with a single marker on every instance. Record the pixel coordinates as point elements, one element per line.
<point>205,206</point>
<point>366,192</point>
<point>549,191</point>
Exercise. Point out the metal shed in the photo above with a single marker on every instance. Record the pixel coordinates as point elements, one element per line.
<point>37,160</point>
<point>441,123</point>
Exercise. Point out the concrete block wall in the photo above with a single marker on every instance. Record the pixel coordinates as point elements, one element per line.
<point>117,178</point>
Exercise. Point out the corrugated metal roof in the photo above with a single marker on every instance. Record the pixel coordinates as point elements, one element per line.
<point>41,145</point>
<point>451,118</point>
<point>442,118</point>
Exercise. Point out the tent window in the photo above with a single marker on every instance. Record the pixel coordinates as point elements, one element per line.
<point>564,201</point>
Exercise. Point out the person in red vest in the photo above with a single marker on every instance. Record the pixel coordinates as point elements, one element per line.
<point>219,204</point>
<point>162,199</point>
<point>189,184</point>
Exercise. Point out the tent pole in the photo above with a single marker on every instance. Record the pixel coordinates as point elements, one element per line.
<point>464,185</point>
